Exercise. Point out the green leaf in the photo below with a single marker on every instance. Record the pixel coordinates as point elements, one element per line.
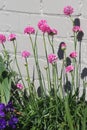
<point>5,87</point>
<point>2,66</point>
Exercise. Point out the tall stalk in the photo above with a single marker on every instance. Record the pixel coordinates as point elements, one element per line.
<point>15,53</point>
<point>35,52</point>
<point>48,68</point>
<point>28,76</point>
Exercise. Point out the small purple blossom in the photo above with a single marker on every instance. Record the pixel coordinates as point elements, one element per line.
<point>8,118</point>
<point>2,106</point>
<point>13,121</point>
<point>2,124</point>
<point>9,107</point>
<point>2,114</point>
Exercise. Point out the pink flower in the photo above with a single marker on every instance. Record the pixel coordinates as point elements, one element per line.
<point>73,54</point>
<point>25,54</point>
<point>52,58</point>
<point>29,30</point>
<point>41,23</point>
<point>43,26</point>
<point>19,86</point>
<point>76,29</point>
<point>68,10</point>
<point>63,46</point>
<point>12,37</point>
<point>52,32</point>
<point>69,68</point>
<point>2,38</point>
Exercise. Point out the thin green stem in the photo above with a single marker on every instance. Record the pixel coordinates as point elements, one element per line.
<point>51,43</point>
<point>34,48</point>
<point>28,76</point>
<point>15,53</point>
<point>49,82</point>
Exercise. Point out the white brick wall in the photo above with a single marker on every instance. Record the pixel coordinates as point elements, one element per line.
<point>17,14</point>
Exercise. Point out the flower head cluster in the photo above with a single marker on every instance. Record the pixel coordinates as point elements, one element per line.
<point>73,54</point>
<point>63,46</point>
<point>68,10</point>
<point>45,28</point>
<point>19,86</point>
<point>53,31</point>
<point>25,54</point>
<point>69,68</point>
<point>2,38</point>
<point>52,58</point>
<point>76,29</point>
<point>29,30</point>
<point>7,116</point>
<point>12,37</point>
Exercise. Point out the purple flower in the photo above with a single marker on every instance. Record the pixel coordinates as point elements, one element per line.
<point>2,124</point>
<point>9,106</point>
<point>13,121</point>
<point>2,114</point>
<point>2,106</point>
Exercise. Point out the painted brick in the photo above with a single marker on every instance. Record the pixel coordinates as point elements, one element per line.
<point>2,4</point>
<point>12,22</point>
<point>23,6</point>
<point>84,8</point>
<point>56,7</point>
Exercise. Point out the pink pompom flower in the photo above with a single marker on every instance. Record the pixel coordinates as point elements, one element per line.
<point>69,68</point>
<point>2,38</point>
<point>43,26</point>
<point>52,58</point>
<point>12,37</point>
<point>25,54</point>
<point>41,23</point>
<point>68,10</point>
<point>63,46</point>
<point>53,32</point>
<point>76,29</point>
<point>29,30</point>
<point>19,86</point>
<point>73,54</point>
